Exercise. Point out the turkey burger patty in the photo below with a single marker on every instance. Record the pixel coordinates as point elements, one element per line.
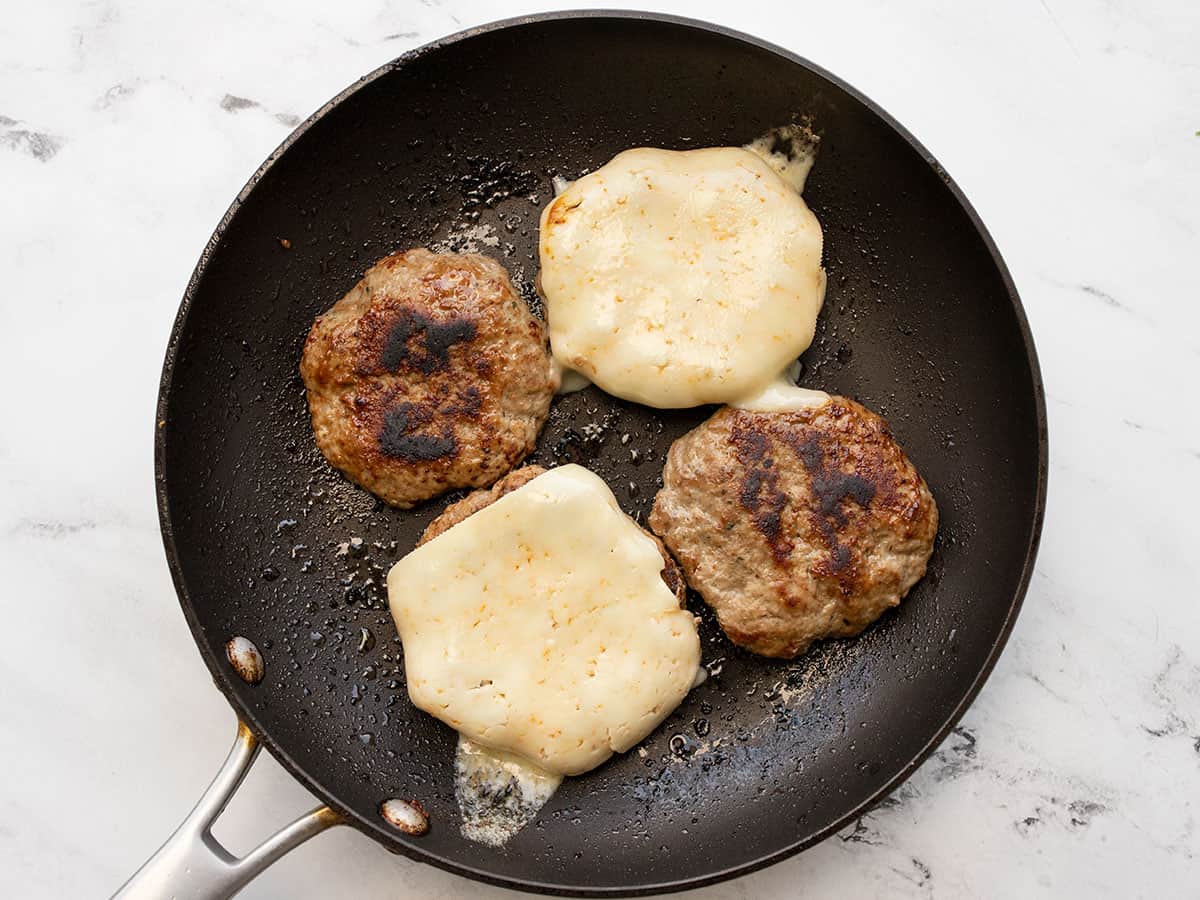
<point>795,525</point>
<point>430,374</point>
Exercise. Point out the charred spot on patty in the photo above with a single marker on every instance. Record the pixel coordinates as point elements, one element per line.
<point>759,494</point>
<point>467,404</point>
<point>838,564</point>
<point>761,497</point>
<point>831,488</point>
<point>423,343</point>
<point>400,438</point>
<point>830,485</point>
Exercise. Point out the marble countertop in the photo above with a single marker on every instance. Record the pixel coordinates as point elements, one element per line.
<point>127,127</point>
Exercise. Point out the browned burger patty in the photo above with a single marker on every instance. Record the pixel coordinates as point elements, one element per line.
<point>795,526</point>
<point>477,500</point>
<point>430,374</point>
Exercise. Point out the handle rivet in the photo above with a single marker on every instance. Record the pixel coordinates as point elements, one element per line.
<point>407,815</point>
<point>246,660</point>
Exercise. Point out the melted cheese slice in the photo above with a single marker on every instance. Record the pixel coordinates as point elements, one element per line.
<point>541,625</point>
<point>676,278</point>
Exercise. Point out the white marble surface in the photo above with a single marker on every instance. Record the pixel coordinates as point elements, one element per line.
<point>125,129</point>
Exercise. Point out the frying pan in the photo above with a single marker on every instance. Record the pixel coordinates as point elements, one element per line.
<point>454,145</point>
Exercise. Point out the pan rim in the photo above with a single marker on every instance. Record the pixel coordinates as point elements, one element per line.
<point>222,676</point>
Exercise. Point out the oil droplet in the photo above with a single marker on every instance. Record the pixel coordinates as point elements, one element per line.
<point>680,745</point>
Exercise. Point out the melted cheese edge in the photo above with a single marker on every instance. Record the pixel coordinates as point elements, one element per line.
<point>541,626</point>
<point>498,793</point>
<point>790,150</point>
<point>677,278</point>
<point>781,396</point>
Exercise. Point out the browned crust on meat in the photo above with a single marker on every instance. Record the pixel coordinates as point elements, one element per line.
<point>430,374</point>
<point>477,500</point>
<point>795,526</point>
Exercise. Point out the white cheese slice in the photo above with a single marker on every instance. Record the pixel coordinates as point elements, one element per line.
<point>676,278</point>
<point>541,625</point>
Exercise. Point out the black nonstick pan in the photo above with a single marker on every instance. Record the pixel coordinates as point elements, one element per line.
<point>455,145</point>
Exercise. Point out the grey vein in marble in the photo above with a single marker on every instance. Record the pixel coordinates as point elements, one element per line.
<point>38,144</point>
<point>233,104</point>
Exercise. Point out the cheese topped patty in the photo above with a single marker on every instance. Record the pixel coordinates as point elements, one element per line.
<point>541,625</point>
<point>677,278</point>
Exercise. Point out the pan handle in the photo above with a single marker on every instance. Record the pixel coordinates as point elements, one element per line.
<point>192,864</point>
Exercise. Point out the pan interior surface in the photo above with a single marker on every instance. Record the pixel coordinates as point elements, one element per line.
<point>455,146</point>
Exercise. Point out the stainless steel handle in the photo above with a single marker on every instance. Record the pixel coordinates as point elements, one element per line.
<point>192,864</point>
